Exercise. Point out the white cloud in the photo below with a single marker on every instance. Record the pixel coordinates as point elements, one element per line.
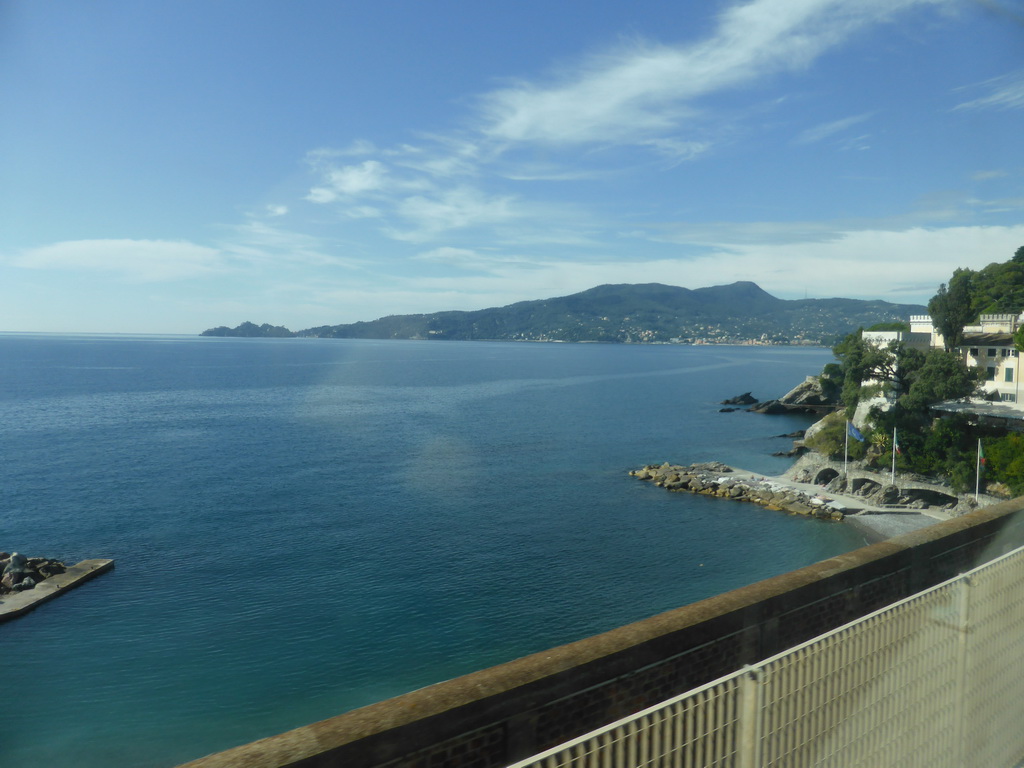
<point>142,260</point>
<point>456,208</point>
<point>355,179</point>
<point>677,150</point>
<point>823,131</point>
<point>988,175</point>
<point>258,242</point>
<point>903,266</point>
<point>277,210</point>
<point>364,212</point>
<point>1005,92</point>
<point>647,89</point>
<point>465,258</point>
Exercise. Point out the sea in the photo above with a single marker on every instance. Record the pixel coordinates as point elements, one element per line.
<point>306,526</point>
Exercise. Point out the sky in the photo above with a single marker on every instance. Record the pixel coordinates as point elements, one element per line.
<point>167,167</point>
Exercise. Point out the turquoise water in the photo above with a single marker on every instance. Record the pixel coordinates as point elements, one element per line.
<point>302,527</point>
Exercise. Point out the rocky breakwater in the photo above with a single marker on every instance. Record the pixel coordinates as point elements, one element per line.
<point>717,479</point>
<point>18,573</point>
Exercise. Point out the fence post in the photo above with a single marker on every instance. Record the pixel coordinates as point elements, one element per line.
<point>749,718</point>
<point>961,706</point>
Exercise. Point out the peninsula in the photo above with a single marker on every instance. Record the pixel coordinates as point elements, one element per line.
<point>651,313</point>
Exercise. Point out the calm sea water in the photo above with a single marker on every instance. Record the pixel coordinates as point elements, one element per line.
<point>302,527</point>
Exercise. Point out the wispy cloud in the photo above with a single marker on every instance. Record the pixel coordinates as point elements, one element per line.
<point>826,130</point>
<point>139,260</point>
<point>457,208</point>
<point>988,175</point>
<point>1003,92</point>
<point>259,242</point>
<point>644,90</point>
<point>349,181</point>
<point>596,116</point>
<point>900,265</point>
<point>467,259</point>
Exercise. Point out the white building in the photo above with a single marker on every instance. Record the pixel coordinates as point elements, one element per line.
<point>987,344</point>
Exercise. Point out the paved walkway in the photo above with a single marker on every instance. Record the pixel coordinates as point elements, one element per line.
<point>876,523</point>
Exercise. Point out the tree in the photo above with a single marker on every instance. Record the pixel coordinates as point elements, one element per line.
<point>941,376</point>
<point>952,308</point>
<point>1018,339</point>
<point>865,369</point>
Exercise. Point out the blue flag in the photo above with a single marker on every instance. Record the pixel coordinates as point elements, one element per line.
<point>853,432</point>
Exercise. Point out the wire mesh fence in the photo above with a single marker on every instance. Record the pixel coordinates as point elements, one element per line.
<point>936,679</point>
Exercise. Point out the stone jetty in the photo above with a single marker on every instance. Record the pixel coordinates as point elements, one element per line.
<point>26,582</point>
<point>717,479</point>
<point>18,573</point>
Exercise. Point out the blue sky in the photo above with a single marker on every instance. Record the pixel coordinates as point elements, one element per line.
<point>170,166</point>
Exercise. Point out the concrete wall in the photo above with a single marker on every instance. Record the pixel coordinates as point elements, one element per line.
<point>499,715</point>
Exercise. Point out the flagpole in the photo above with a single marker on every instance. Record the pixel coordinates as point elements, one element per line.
<point>977,473</point>
<point>846,451</point>
<point>892,481</point>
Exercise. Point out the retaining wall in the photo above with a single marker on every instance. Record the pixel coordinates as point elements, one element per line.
<point>505,713</point>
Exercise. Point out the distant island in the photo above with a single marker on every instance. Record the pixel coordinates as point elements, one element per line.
<point>651,313</point>
<point>252,331</point>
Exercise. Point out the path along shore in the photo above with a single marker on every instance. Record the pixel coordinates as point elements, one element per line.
<point>782,492</point>
<point>874,522</point>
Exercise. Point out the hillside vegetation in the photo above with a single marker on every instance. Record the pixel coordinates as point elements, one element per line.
<point>646,313</point>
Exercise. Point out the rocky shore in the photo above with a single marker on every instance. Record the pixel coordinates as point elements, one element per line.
<point>18,572</point>
<point>717,479</point>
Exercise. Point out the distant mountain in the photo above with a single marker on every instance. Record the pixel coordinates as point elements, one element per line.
<point>642,314</point>
<point>250,330</point>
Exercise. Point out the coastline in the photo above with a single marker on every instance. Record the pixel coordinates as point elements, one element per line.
<point>786,494</point>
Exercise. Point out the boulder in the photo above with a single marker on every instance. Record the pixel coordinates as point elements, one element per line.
<point>769,407</point>
<point>809,392</point>
<point>19,572</point>
<point>745,399</point>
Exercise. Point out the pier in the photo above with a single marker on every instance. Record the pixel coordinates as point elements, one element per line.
<point>18,604</point>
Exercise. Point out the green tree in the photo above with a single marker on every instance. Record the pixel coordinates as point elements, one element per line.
<point>952,308</point>
<point>866,369</point>
<point>941,376</point>
<point>1005,460</point>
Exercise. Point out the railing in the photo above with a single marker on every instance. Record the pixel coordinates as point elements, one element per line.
<point>936,679</point>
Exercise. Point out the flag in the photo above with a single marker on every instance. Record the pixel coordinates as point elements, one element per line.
<point>896,444</point>
<point>853,432</point>
<point>981,455</point>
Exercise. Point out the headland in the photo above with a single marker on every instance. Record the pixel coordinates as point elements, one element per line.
<point>878,510</point>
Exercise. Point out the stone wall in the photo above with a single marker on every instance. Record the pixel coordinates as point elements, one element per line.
<point>499,715</point>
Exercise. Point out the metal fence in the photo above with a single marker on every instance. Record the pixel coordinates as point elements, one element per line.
<point>934,680</point>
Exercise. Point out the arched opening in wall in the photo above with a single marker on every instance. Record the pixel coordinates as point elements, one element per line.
<point>862,486</point>
<point>825,476</point>
<point>931,498</point>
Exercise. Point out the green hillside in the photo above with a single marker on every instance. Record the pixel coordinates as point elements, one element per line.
<point>646,313</point>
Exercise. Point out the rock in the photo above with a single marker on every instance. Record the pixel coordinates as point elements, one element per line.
<point>20,573</point>
<point>769,407</point>
<point>890,494</point>
<point>796,450</point>
<point>727,410</point>
<point>745,399</point>
<point>808,393</point>
<point>17,560</point>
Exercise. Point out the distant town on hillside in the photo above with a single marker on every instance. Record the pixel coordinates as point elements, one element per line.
<point>652,313</point>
